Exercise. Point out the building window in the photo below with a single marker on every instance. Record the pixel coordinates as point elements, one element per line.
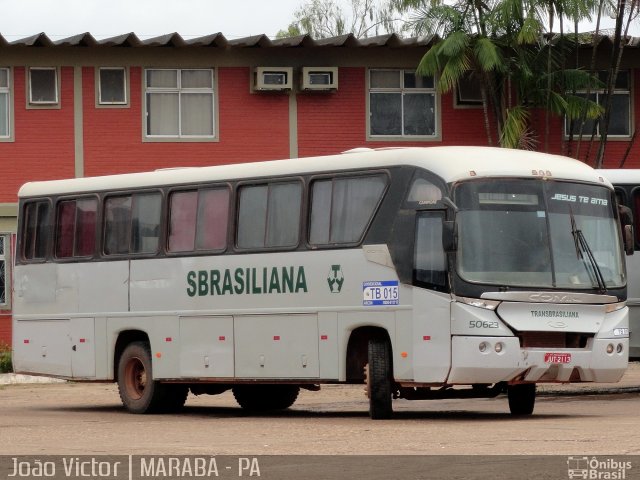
<point>112,86</point>
<point>620,119</point>
<point>5,99</point>
<point>179,103</point>
<point>43,86</point>
<point>269,215</point>
<point>467,91</point>
<point>198,219</point>
<point>401,104</point>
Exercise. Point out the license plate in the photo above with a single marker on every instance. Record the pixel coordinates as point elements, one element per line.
<point>557,358</point>
<point>381,293</point>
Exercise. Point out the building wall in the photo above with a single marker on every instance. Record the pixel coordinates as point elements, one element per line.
<point>44,139</point>
<point>252,127</point>
<point>80,138</point>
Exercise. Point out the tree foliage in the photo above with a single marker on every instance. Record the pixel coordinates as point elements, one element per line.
<point>517,51</point>
<point>327,18</point>
<point>505,46</point>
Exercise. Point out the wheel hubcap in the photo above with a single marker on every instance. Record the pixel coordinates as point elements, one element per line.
<point>136,378</point>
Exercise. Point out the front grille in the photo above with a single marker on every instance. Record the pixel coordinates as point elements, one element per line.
<point>553,339</point>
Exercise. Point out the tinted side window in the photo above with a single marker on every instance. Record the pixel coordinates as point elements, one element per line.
<point>76,228</point>
<point>35,236</point>
<point>430,261</point>
<point>341,208</point>
<point>145,223</point>
<point>198,219</point>
<point>132,223</point>
<point>636,214</point>
<point>117,218</point>
<point>269,215</point>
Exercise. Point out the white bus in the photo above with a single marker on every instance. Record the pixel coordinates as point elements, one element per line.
<point>425,273</point>
<point>627,186</point>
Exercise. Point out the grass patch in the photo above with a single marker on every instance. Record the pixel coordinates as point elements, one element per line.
<point>5,358</point>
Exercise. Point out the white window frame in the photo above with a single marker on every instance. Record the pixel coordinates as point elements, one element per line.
<point>125,86</point>
<point>403,91</point>
<point>602,91</point>
<point>8,114</point>
<point>45,103</point>
<point>179,91</point>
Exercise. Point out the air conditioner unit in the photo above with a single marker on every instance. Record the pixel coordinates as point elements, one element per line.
<point>319,78</point>
<point>272,78</point>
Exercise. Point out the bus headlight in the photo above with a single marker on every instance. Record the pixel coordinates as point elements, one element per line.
<point>480,303</point>
<point>614,307</point>
<point>610,348</point>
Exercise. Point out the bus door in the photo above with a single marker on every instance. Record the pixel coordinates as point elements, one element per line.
<point>432,300</point>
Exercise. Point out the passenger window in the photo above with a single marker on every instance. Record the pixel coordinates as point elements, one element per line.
<point>117,215</point>
<point>198,220</point>
<point>36,230</point>
<point>341,208</point>
<point>76,228</point>
<point>424,192</point>
<point>132,223</point>
<point>269,215</point>
<point>636,215</point>
<point>145,223</point>
<point>430,261</point>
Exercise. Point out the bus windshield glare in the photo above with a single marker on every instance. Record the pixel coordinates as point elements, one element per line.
<point>529,233</point>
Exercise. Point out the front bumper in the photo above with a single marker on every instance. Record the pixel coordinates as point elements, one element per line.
<point>472,364</point>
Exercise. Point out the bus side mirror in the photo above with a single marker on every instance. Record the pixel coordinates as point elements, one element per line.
<point>449,240</point>
<point>628,239</point>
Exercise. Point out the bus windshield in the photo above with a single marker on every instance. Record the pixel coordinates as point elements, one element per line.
<point>533,233</point>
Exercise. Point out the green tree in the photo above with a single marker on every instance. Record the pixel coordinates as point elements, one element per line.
<point>505,47</point>
<point>625,13</point>
<point>326,18</point>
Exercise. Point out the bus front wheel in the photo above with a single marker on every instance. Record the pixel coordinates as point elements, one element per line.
<point>522,398</point>
<point>379,379</point>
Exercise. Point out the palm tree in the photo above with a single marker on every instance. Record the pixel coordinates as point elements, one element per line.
<point>518,66</point>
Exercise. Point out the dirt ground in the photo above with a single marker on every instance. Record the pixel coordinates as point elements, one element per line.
<point>88,419</point>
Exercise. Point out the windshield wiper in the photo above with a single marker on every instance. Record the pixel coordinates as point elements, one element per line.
<point>583,246</point>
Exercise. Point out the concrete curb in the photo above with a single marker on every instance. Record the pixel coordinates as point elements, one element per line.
<point>576,391</point>
<point>18,379</point>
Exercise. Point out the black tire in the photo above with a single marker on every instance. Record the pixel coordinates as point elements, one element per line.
<point>379,379</point>
<point>522,398</point>
<point>139,392</point>
<point>263,398</point>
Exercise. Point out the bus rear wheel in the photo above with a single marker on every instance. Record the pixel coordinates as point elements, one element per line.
<point>263,398</point>
<point>139,392</point>
<point>522,398</point>
<point>378,374</point>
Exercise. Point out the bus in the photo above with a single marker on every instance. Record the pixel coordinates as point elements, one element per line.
<point>422,273</point>
<point>627,187</point>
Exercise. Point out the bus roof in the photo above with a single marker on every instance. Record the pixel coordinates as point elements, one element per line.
<point>621,176</point>
<point>450,163</point>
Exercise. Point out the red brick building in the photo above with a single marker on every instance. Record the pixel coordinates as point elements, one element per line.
<point>82,107</point>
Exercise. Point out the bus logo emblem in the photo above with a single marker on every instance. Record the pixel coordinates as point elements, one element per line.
<point>335,279</point>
